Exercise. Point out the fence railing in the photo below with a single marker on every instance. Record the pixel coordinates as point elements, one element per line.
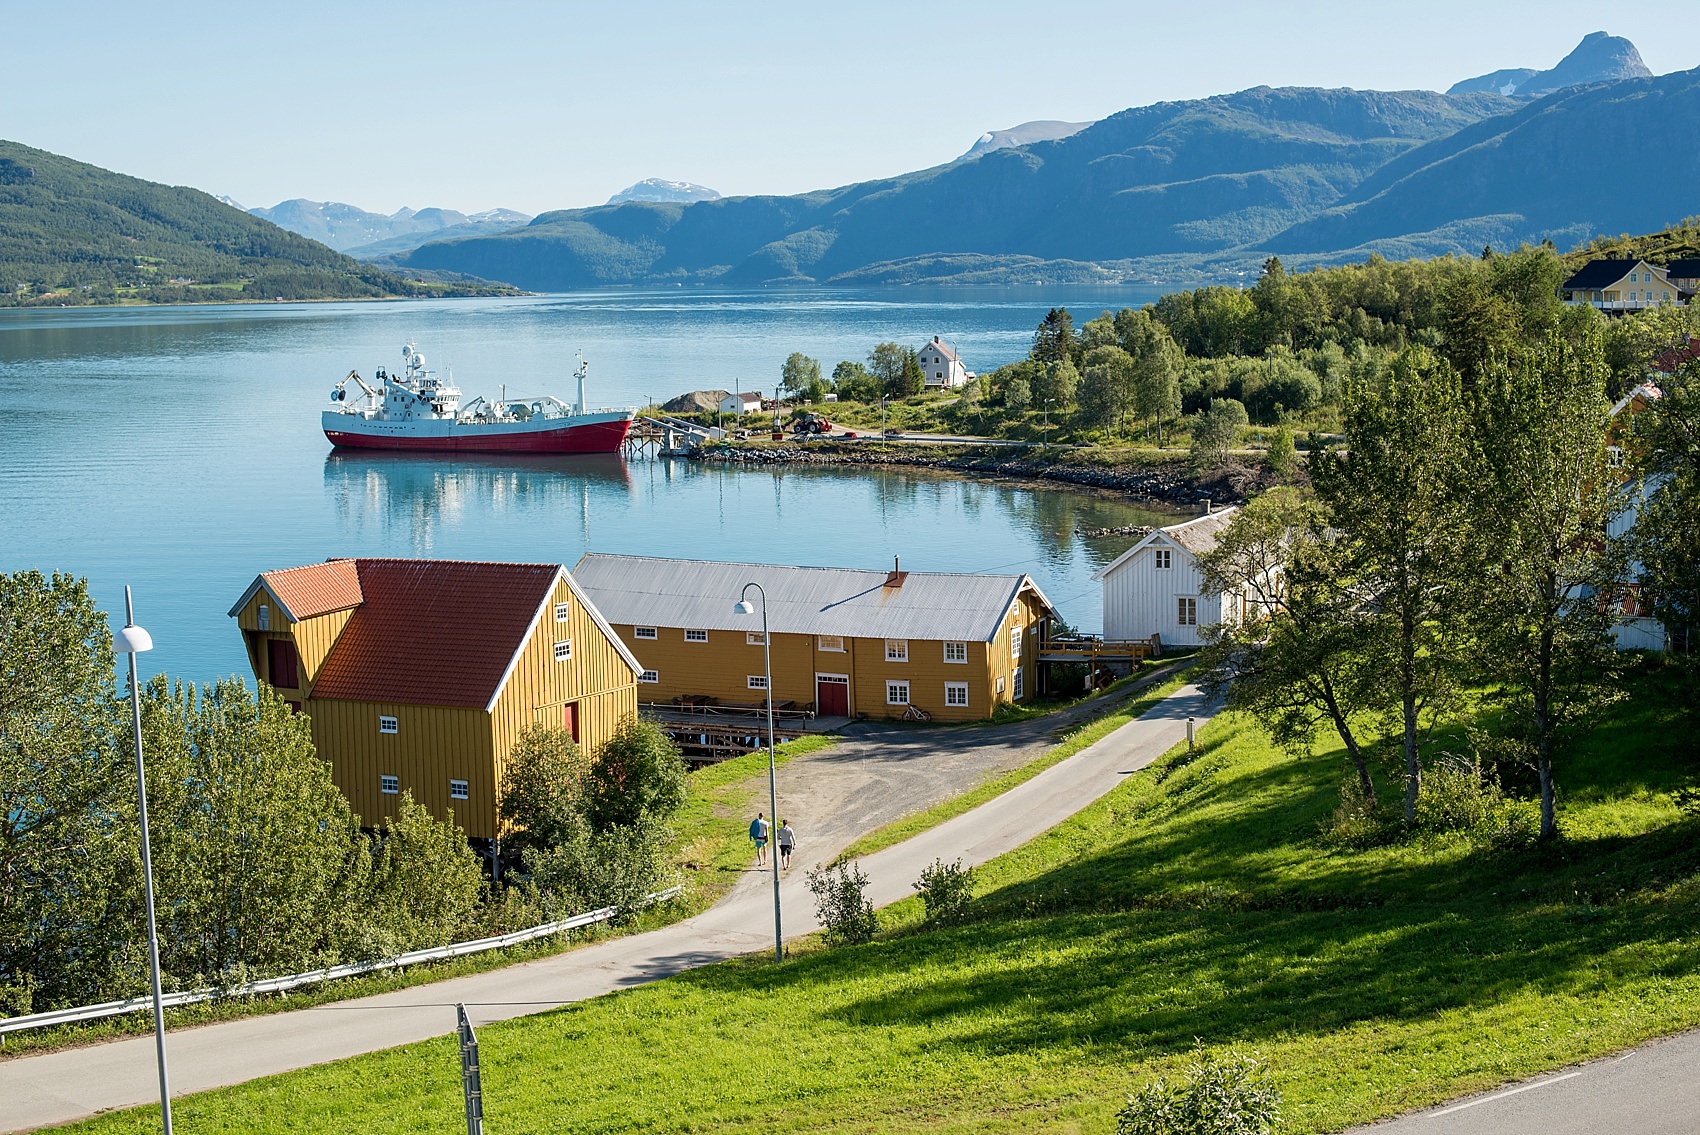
<point>313,977</point>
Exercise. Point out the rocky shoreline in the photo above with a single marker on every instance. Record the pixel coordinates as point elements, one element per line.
<point>1170,484</point>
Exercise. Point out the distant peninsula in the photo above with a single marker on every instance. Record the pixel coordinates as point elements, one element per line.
<point>73,234</point>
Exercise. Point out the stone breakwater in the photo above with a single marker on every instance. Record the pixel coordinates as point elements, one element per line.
<point>1170,484</point>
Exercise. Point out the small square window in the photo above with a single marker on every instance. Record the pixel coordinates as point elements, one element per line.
<point>956,693</point>
<point>458,790</point>
<point>643,632</point>
<point>389,785</point>
<point>956,652</point>
<point>388,724</point>
<point>756,681</point>
<point>563,612</point>
<point>897,693</point>
<point>649,676</point>
<point>755,638</point>
<point>564,650</point>
<point>696,636</point>
<point>897,650</point>
<point>1164,559</point>
<point>832,642</point>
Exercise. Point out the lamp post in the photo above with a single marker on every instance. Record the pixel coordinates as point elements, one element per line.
<point>745,607</point>
<point>133,640</point>
<point>1048,402</point>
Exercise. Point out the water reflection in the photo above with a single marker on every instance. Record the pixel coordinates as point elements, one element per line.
<point>415,499</point>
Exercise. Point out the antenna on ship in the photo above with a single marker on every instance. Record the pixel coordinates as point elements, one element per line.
<point>582,367</point>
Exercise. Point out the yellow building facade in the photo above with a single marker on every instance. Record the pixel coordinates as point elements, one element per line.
<point>420,675</point>
<point>845,643</point>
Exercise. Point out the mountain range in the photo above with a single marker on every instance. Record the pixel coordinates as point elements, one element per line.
<point>1174,191</point>
<point>350,229</point>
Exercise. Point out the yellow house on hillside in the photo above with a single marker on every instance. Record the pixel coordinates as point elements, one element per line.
<point>846,643</point>
<point>419,675</point>
<point>1617,286</point>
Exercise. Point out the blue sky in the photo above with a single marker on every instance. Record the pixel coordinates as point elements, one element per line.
<point>537,106</point>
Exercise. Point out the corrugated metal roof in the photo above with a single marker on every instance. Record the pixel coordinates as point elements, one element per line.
<point>699,594</point>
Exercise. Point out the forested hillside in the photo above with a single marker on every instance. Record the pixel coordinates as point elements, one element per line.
<point>72,233</point>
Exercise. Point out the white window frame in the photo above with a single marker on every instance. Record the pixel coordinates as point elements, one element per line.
<point>1000,685</point>
<point>956,694</point>
<point>1164,558</point>
<point>897,650</point>
<point>959,649</point>
<point>644,632</point>
<point>649,676</point>
<point>563,612</point>
<point>1186,610</point>
<point>389,785</point>
<point>897,691</point>
<point>1019,687</point>
<point>388,724</point>
<point>756,682</point>
<point>700,635</point>
<point>1015,645</point>
<point>459,790</point>
<point>830,643</point>
<point>755,638</point>
<point>564,650</point>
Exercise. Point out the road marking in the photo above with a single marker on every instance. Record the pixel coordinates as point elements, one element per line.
<point>1502,1095</point>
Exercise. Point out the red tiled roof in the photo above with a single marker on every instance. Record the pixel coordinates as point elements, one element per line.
<point>433,632</point>
<point>316,589</point>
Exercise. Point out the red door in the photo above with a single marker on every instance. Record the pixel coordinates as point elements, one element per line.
<point>569,719</point>
<point>832,695</point>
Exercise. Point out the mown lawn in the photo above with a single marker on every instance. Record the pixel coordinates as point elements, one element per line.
<point>1195,901</point>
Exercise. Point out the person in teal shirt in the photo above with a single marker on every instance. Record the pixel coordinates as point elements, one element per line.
<point>758,836</point>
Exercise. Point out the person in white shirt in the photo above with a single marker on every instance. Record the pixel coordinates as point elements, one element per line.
<point>787,840</point>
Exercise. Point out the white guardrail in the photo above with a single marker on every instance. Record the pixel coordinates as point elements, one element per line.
<point>295,980</point>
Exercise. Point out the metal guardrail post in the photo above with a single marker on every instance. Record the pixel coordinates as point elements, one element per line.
<point>471,1085</point>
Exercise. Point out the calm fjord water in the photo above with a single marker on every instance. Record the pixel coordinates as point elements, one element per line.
<point>178,449</point>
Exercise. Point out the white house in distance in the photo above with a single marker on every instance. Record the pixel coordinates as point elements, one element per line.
<point>746,403</point>
<point>1155,587</point>
<point>941,366</point>
<point>1627,285</point>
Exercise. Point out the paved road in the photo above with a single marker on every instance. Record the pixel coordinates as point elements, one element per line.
<point>1651,1090</point>
<point>62,1086</point>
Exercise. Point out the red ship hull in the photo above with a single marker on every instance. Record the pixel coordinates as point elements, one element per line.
<point>589,437</point>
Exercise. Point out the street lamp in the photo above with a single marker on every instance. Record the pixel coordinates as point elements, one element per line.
<point>745,607</point>
<point>133,640</point>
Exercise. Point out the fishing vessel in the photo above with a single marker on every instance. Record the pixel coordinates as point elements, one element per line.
<point>418,410</point>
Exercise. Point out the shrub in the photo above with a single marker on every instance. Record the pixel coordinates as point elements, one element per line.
<point>946,890</point>
<point>637,773</point>
<point>618,867</point>
<point>1357,821</point>
<point>1222,1095</point>
<point>842,905</point>
<point>1687,801</point>
<point>1456,796</point>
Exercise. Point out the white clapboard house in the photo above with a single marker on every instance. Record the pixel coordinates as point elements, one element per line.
<point>941,367</point>
<point>1155,588</point>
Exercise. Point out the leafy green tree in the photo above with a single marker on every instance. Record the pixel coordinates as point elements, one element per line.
<point>1400,497</point>
<point>1055,383</point>
<point>1054,341</point>
<point>1553,574</point>
<point>1296,658</point>
<point>1157,364</point>
<point>618,866</point>
<point>1106,387</point>
<point>1215,432</point>
<point>1281,455</point>
<point>426,882</point>
<point>1666,538</point>
<point>800,373</point>
<point>886,362</point>
<point>1017,393</point>
<point>544,789</point>
<point>854,383</point>
<point>637,773</point>
<point>65,789</point>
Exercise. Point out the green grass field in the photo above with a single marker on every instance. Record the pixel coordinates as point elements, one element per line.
<point>1196,900</point>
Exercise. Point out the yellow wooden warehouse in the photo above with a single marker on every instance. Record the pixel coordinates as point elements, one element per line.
<point>419,675</point>
<point>846,642</point>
